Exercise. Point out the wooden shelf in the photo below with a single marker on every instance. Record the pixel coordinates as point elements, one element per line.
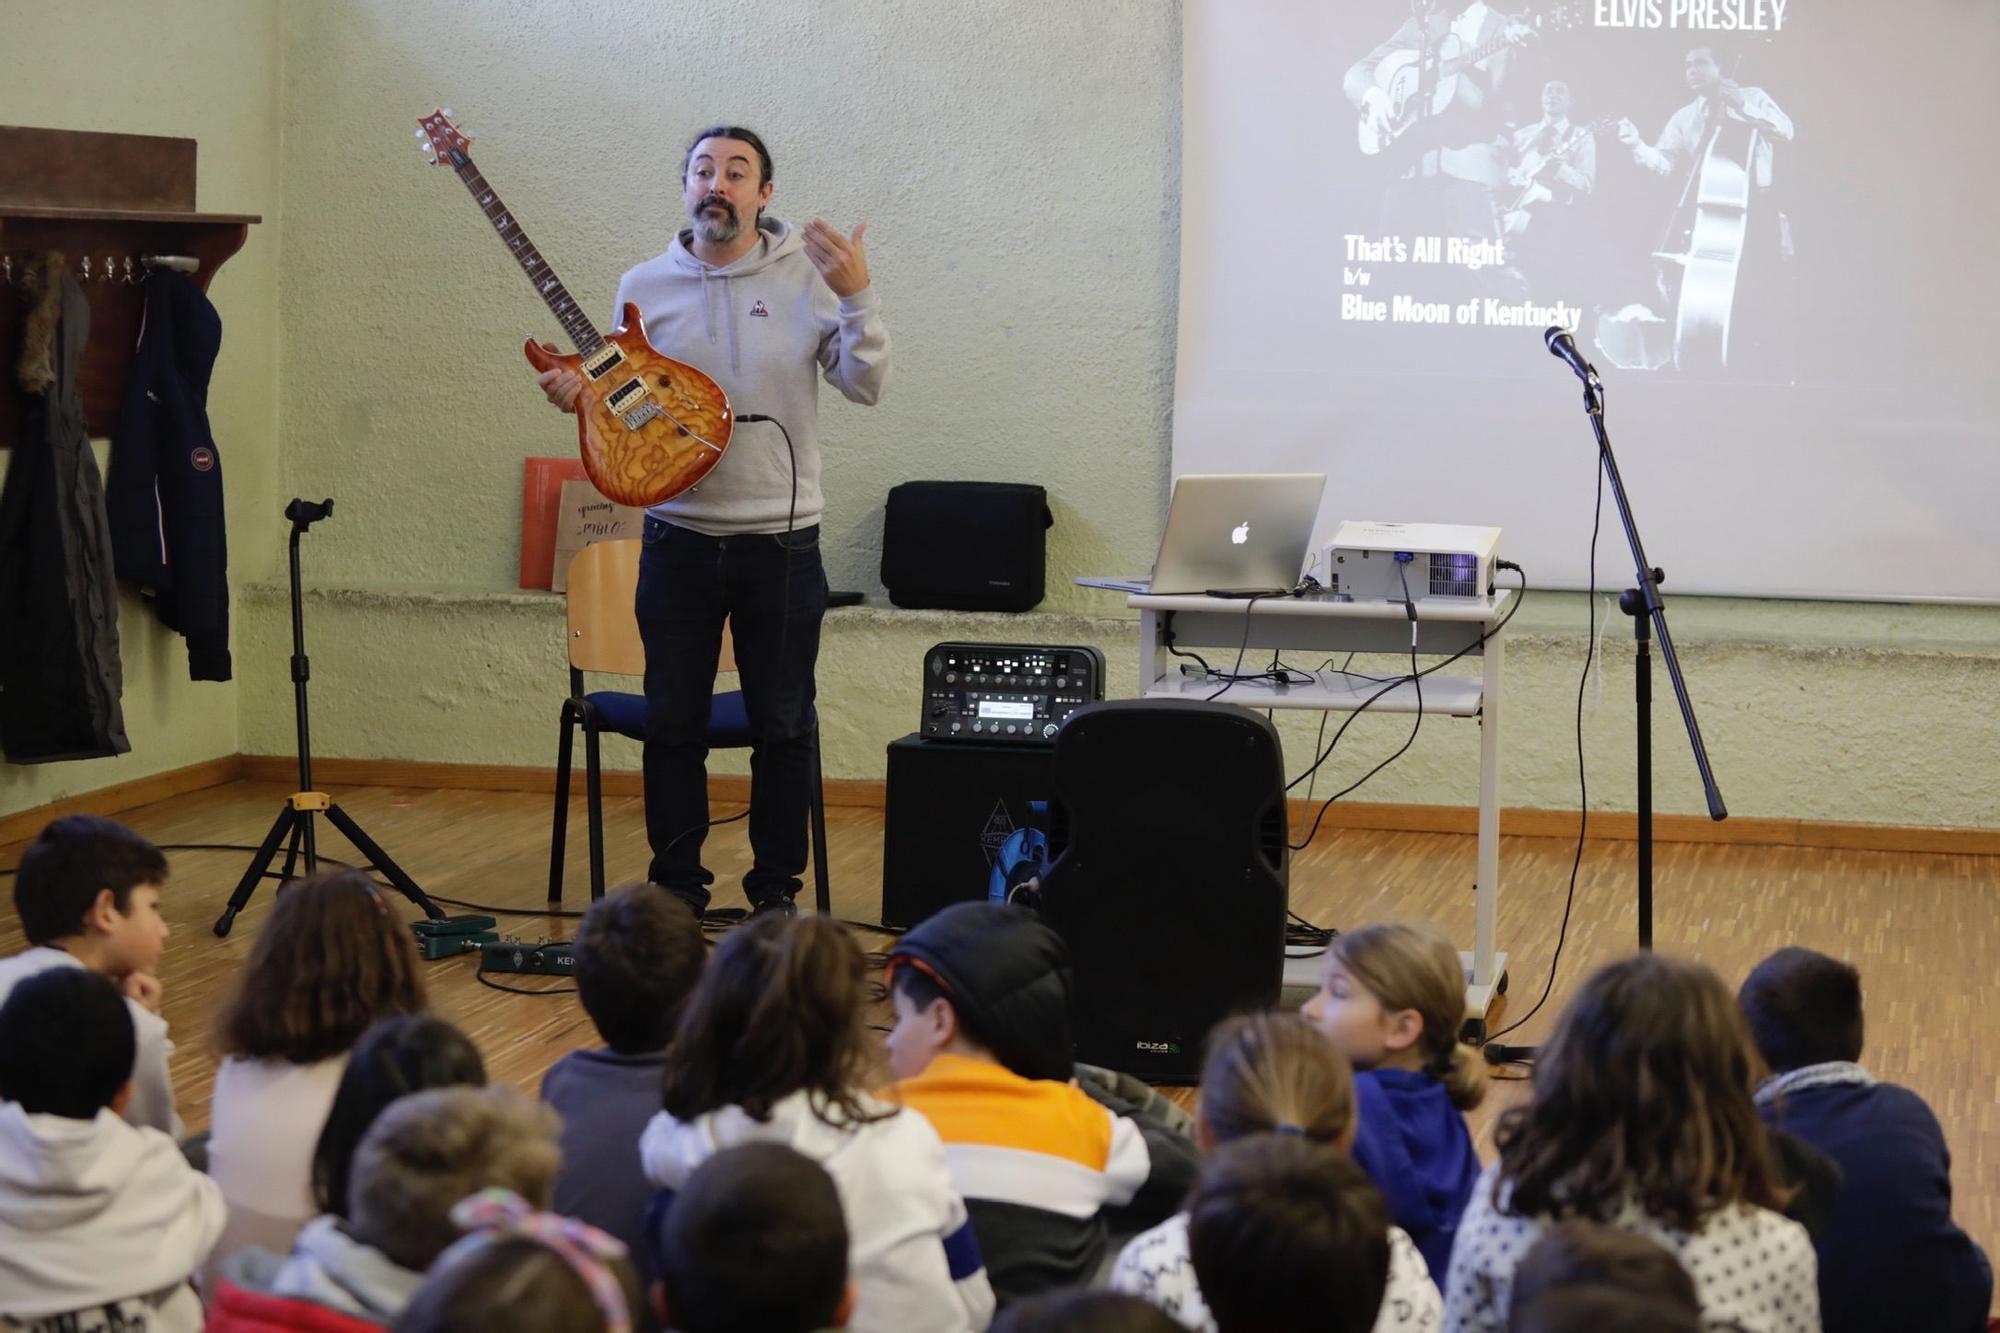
<point>104,200</point>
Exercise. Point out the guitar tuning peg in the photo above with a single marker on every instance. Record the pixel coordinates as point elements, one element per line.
<point>449,112</point>
<point>420,134</point>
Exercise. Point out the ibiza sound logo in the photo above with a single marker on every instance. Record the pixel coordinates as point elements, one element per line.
<point>1158,1047</point>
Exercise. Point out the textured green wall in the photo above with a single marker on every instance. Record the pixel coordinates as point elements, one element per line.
<point>207,70</point>
<point>1018,166</point>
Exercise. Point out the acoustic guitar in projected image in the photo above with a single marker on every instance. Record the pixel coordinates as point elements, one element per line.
<point>1411,86</point>
<point>649,427</point>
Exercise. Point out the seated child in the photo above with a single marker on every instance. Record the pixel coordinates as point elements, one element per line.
<point>1392,997</point>
<point>423,1155</point>
<point>1271,1073</point>
<point>638,954</point>
<point>1891,1238</point>
<point>981,1048</point>
<point>1581,1277</point>
<point>519,1271</point>
<point>1288,1236</point>
<point>329,960</point>
<point>773,1048</point>
<point>101,1222</point>
<point>1641,1119</point>
<point>88,895</point>
<point>754,1242</point>
<point>394,1058</point>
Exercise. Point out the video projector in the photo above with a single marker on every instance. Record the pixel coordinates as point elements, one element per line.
<point>1369,560</point>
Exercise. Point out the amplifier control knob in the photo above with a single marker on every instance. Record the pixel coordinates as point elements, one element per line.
<point>1010,728</point>
<point>954,726</point>
<point>1062,682</point>
<point>951,678</point>
<point>975,726</point>
<point>1049,732</point>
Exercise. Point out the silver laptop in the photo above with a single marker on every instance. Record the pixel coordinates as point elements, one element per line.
<point>1238,533</point>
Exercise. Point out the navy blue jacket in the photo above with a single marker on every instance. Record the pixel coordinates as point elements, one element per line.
<point>164,492</point>
<point>1414,1145</point>
<point>1891,1257</point>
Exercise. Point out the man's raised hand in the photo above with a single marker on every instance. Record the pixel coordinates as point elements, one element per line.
<point>838,258</point>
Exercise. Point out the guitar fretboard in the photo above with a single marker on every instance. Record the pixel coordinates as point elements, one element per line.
<point>582,333</point>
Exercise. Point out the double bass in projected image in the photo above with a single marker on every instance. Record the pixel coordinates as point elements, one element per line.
<point>1723,264</point>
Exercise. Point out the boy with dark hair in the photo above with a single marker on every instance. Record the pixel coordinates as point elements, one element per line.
<point>638,954</point>
<point>754,1242</point>
<point>981,1047</point>
<point>1891,1246</point>
<point>1288,1235</point>
<point>1074,1311</point>
<point>1583,1276</point>
<point>88,895</point>
<point>101,1222</point>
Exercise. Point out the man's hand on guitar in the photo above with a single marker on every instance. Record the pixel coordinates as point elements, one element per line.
<point>838,258</point>
<point>562,385</point>
<point>1628,134</point>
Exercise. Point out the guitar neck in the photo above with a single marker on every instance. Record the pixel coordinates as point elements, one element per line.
<point>1465,60</point>
<point>582,333</point>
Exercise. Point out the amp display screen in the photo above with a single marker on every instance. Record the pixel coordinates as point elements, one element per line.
<point>1005,710</point>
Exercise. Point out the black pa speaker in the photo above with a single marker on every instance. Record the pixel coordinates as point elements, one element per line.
<point>952,812</point>
<point>1168,876</point>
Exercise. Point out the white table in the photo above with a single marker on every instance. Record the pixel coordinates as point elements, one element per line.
<point>1317,626</point>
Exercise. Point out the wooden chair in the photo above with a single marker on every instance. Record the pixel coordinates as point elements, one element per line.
<point>604,637</point>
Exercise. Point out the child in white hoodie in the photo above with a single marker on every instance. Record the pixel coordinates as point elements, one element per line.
<point>101,1222</point>
<point>773,1048</point>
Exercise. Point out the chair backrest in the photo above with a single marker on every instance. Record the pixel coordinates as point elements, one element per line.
<point>603,628</point>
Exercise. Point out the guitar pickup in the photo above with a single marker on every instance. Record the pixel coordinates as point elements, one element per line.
<point>603,361</point>
<point>626,396</point>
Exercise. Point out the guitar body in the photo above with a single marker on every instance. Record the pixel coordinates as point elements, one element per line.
<point>649,427</point>
<point>1399,81</point>
<point>1711,252</point>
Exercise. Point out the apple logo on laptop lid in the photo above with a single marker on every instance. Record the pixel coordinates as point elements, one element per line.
<point>1240,533</point>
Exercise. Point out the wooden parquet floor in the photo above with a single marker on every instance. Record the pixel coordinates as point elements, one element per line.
<point>1924,929</point>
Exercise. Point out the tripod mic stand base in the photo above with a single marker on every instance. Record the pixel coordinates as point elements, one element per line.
<point>294,822</point>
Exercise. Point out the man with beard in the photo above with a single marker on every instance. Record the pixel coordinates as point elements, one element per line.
<point>762,307</point>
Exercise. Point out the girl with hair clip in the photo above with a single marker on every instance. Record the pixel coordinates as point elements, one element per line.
<point>522,1271</point>
<point>331,960</point>
<point>1642,1119</point>
<point>1270,1073</point>
<point>1392,998</point>
<point>773,1047</point>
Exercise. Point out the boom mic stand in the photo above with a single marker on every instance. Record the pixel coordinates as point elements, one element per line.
<point>1649,621</point>
<point>295,819</point>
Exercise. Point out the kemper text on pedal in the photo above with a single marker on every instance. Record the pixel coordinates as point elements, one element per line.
<point>1006,692</point>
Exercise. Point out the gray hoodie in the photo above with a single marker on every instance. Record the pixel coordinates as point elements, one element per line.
<point>97,1211</point>
<point>762,328</point>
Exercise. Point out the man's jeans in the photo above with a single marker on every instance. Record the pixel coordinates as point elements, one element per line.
<point>771,589</point>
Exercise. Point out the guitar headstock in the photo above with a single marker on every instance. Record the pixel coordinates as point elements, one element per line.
<point>443,143</point>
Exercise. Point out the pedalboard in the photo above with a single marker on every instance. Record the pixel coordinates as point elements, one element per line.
<point>452,935</point>
<point>1006,693</point>
<point>549,958</point>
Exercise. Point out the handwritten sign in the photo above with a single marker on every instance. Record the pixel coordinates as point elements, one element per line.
<point>585,516</point>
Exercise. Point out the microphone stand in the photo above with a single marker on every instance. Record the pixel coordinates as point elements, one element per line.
<point>294,825</point>
<point>1649,621</point>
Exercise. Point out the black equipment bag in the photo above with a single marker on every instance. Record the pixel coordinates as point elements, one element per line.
<point>966,545</point>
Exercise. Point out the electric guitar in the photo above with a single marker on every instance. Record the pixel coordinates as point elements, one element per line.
<point>1535,177</point>
<point>649,427</point>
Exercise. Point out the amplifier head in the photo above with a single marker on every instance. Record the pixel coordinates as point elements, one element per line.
<point>1006,693</point>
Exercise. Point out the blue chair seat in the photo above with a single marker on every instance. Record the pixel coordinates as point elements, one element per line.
<point>728,723</point>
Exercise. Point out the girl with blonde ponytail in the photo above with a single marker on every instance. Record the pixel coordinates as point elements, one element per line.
<point>1392,998</point>
<point>1273,1074</point>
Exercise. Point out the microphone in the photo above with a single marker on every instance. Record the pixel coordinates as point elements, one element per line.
<point>1562,345</point>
